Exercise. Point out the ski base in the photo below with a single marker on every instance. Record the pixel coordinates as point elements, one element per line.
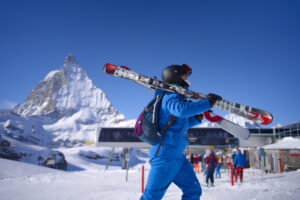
<point>232,128</point>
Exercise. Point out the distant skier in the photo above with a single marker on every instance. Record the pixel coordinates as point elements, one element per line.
<point>192,160</point>
<point>211,162</point>
<point>196,164</point>
<point>218,170</point>
<point>170,165</point>
<point>240,162</point>
<point>232,158</point>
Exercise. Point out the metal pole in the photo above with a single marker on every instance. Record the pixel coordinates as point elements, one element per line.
<point>262,169</point>
<point>124,161</point>
<point>231,170</point>
<point>110,158</point>
<point>127,172</point>
<point>127,163</point>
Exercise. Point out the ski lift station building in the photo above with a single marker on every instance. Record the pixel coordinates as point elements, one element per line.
<point>272,160</point>
<point>200,137</point>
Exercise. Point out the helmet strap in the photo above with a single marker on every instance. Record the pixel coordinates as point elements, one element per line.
<point>185,83</point>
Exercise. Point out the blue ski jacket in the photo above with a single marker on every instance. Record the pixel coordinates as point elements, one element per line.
<point>175,141</point>
<point>218,167</point>
<point>240,160</point>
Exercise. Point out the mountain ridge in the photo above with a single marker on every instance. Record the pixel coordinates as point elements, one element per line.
<point>65,108</point>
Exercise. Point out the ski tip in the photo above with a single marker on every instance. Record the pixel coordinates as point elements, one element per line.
<point>109,68</point>
<point>124,67</point>
<point>266,118</point>
<point>261,117</point>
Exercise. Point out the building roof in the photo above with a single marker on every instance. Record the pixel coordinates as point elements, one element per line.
<point>285,143</point>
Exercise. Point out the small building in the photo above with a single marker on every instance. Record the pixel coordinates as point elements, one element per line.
<point>283,155</point>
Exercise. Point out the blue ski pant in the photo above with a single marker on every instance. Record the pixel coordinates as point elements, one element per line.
<point>218,174</point>
<point>163,172</point>
<point>210,175</point>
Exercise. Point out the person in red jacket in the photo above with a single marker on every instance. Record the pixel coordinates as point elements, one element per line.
<point>211,162</point>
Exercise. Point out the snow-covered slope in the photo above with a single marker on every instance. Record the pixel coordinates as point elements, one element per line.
<point>28,182</point>
<point>22,169</point>
<point>65,108</point>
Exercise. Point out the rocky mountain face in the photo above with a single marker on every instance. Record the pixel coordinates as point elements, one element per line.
<point>65,108</point>
<point>67,91</point>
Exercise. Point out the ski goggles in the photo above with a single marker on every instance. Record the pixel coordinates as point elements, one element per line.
<point>187,69</point>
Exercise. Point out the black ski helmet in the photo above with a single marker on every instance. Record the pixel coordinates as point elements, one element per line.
<point>173,74</point>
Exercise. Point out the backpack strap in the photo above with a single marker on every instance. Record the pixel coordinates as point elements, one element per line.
<point>164,130</point>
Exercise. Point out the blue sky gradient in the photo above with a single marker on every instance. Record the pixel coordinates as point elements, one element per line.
<point>246,51</point>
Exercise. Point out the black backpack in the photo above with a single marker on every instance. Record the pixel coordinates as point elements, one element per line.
<point>146,127</point>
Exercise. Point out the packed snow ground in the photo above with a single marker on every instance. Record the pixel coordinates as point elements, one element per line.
<point>88,179</point>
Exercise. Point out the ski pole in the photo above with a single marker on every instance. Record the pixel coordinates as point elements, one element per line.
<point>143,172</point>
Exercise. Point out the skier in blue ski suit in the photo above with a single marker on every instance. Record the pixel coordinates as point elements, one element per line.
<point>170,164</point>
<point>218,170</point>
<point>240,162</point>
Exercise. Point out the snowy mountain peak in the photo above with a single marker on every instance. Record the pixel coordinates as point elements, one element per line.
<point>66,107</point>
<point>74,105</point>
<point>70,60</point>
<point>68,91</point>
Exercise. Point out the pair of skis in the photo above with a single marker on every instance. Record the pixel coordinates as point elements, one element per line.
<point>253,114</point>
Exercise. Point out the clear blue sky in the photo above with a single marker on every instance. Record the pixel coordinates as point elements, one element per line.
<point>246,51</point>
